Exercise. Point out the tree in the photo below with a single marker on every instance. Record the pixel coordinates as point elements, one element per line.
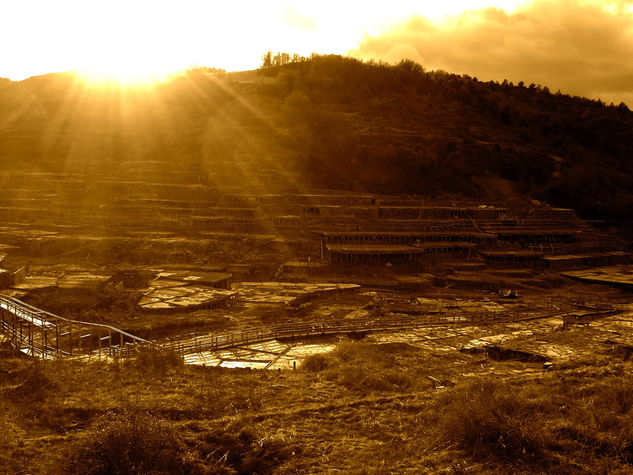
<point>281,59</point>
<point>267,60</point>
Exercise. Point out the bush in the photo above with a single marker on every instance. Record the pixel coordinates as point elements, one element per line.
<point>35,384</point>
<point>318,362</point>
<point>350,351</point>
<point>132,442</point>
<point>489,418</point>
<point>11,439</point>
<point>240,449</point>
<point>370,379</point>
<point>158,360</point>
<point>618,397</point>
<point>361,366</point>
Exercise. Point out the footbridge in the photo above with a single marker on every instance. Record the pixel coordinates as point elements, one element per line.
<point>37,332</point>
<point>305,330</point>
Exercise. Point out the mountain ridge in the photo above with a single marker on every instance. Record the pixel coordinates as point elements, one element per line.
<point>336,122</point>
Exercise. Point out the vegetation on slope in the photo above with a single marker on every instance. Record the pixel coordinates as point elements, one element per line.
<point>334,122</point>
<point>158,416</point>
<point>416,131</point>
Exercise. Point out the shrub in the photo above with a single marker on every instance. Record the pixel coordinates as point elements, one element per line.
<point>35,384</point>
<point>492,419</point>
<point>132,442</point>
<point>601,418</point>
<point>361,366</point>
<point>240,449</point>
<point>370,379</point>
<point>318,362</point>
<point>158,360</point>
<point>617,397</point>
<point>349,351</point>
<point>11,439</point>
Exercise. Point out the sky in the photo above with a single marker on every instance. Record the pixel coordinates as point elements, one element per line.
<point>580,47</point>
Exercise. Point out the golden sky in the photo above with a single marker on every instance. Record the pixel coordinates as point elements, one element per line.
<point>581,47</point>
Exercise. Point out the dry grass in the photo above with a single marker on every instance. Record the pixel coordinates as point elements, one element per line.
<point>362,367</point>
<point>158,361</point>
<point>32,383</point>
<point>489,418</point>
<point>131,442</point>
<point>360,407</point>
<point>11,437</point>
<point>135,441</point>
<point>238,448</point>
<point>542,425</point>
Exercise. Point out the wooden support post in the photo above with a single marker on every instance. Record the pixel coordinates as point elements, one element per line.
<point>13,326</point>
<point>30,341</point>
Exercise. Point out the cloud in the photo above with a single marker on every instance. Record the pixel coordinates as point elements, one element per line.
<point>293,17</point>
<point>579,47</point>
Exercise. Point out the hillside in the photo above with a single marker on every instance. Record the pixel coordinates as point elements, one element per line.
<point>324,266</point>
<point>364,408</point>
<point>333,122</point>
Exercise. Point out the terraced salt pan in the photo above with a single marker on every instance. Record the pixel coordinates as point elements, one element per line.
<point>82,280</point>
<point>36,282</point>
<point>182,297</point>
<point>622,274</point>
<point>268,355</point>
<point>496,339</point>
<point>283,292</point>
<point>299,352</point>
<point>243,364</point>
<point>540,337</point>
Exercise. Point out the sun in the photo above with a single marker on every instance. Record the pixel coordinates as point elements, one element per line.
<point>127,73</point>
<point>140,42</point>
<point>122,76</point>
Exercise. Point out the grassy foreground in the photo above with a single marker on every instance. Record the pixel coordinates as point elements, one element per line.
<point>364,408</point>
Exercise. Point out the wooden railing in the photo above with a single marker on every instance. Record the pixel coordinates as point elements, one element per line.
<point>40,333</point>
<point>358,326</point>
<point>37,332</point>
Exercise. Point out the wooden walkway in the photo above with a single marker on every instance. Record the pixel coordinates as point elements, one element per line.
<point>36,332</point>
<point>356,326</point>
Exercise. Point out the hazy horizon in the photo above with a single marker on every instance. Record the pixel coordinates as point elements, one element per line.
<point>580,47</point>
